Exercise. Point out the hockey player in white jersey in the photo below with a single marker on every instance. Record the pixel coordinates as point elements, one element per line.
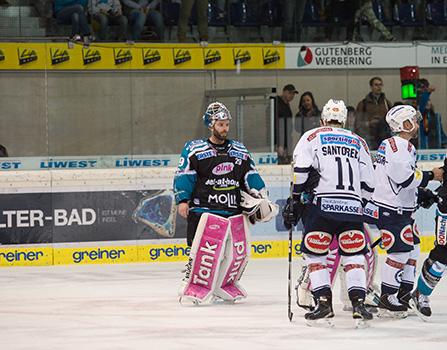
<point>396,198</point>
<point>346,179</point>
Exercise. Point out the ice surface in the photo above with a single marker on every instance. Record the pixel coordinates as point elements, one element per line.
<point>135,306</point>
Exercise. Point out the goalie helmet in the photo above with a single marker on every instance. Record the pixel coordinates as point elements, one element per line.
<point>215,111</point>
<point>335,110</point>
<point>397,115</point>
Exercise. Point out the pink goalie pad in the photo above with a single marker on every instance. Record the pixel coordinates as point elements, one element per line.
<point>236,258</point>
<point>207,251</point>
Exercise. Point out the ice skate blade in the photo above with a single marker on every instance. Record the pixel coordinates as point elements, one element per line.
<point>188,301</point>
<point>321,323</point>
<point>417,312</point>
<point>385,313</point>
<point>360,323</point>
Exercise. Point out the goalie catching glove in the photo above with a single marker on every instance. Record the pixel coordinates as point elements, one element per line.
<point>259,208</point>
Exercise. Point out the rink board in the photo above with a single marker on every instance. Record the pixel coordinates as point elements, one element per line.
<point>106,216</point>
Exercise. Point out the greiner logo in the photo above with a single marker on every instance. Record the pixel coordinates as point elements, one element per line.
<point>21,256</point>
<point>156,253</point>
<point>98,254</point>
<point>223,168</point>
<point>261,248</point>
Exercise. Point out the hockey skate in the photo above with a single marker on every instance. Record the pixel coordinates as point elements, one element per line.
<point>390,306</point>
<point>322,315</point>
<point>360,314</point>
<point>421,305</point>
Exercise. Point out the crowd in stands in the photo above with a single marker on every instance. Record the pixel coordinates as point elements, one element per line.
<point>367,119</point>
<point>286,20</point>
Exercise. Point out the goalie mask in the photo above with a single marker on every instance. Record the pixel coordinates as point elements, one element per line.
<point>397,116</point>
<point>260,209</point>
<point>215,111</point>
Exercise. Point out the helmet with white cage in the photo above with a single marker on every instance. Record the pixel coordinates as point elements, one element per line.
<point>215,111</point>
<point>397,116</point>
<point>334,110</point>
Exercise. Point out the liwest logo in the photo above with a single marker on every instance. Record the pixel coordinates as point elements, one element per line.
<point>21,256</point>
<point>156,253</point>
<point>241,56</point>
<point>122,56</point>
<point>2,56</point>
<point>211,56</point>
<point>58,56</point>
<point>305,56</point>
<point>97,254</point>
<point>181,56</point>
<point>151,56</point>
<point>270,56</point>
<point>26,56</point>
<point>90,56</point>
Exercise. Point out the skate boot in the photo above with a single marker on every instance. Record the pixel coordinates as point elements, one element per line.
<point>390,306</point>
<point>421,305</point>
<point>322,314</point>
<point>360,314</point>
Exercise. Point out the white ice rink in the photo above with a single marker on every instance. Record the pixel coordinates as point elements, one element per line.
<point>135,307</point>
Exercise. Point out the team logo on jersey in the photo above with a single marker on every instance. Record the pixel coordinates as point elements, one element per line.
<point>340,140</point>
<point>211,56</point>
<point>270,56</point>
<point>352,241</point>
<point>181,56</point>
<point>151,56</point>
<point>441,228</point>
<point>26,55</point>
<point>2,56</point>
<point>122,55</point>
<point>387,239</point>
<point>318,242</point>
<point>237,154</point>
<point>406,235</point>
<point>59,56</point>
<point>223,168</point>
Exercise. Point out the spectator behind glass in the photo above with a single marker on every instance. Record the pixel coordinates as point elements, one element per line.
<point>105,11</point>
<point>308,116</point>
<point>350,121</point>
<point>283,124</point>
<point>73,12</point>
<point>370,115</point>
<point>202,20</point>
<point>139,12</point>
<point>3,151</point>
<point>431,133</point>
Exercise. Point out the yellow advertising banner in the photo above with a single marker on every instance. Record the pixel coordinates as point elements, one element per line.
<point>141,56</point>
<point>18,256</point>
<point>95,255</point>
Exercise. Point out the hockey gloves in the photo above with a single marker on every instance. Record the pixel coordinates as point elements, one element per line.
<point>426,198</point>
<point>313,178</point>
<point>292,213</point>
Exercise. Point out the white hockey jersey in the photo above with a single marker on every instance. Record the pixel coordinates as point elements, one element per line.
<point>343,161</point>
<point>397,174</point>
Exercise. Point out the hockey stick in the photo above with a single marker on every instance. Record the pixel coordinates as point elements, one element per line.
<point>289,301</point>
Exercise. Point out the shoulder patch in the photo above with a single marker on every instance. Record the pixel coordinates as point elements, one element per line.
<point>393,145</point>
<point>316,132</point>
<point>238,144</point>
<point>206,154</point>
<point>195,144</point>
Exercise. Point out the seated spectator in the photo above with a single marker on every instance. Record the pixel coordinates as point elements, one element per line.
<point>308,114</point>
<point>202,20</point>
<point>105,11</point>
<point>3,151</point>
<point>73,12</point>
<point>141,11</point>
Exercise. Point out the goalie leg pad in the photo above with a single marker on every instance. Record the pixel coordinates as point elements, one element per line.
<point>236,258</point>
<point>206,253</point>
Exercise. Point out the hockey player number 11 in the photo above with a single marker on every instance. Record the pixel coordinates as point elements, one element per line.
<point>340,185</point>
